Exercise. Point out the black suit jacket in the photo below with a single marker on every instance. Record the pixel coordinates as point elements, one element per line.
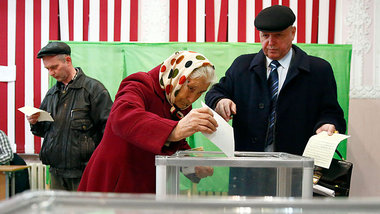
<point>307,100</point>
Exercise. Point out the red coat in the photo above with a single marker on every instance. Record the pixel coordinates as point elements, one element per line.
<point>136,131</point>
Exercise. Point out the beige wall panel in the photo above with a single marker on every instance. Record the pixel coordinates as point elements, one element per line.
<point>363,147</point>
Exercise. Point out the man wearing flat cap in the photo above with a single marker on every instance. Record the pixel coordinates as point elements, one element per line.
<point>80,106</point>
<point>280,96</point>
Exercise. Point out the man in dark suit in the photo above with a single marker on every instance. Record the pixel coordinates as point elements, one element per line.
<point>280,96</point>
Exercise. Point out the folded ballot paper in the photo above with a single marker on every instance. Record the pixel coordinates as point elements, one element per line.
<point>322,147</point>
<point>29,110</point>
<point>323,190</point>
<point>223,137</point>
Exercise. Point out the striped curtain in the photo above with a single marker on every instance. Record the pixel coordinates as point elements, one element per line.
<point>27,25</point>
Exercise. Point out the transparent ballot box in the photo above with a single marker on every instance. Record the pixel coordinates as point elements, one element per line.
<point>245,174</point>
<point>64,202</point>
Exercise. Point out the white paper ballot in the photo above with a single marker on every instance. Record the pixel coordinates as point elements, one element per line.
<point>322,147</point>
<point>223,137</point>
<point>323,190</point>
<point>29,110</point>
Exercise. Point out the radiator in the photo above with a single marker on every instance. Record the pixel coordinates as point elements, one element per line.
<point>37,176</point>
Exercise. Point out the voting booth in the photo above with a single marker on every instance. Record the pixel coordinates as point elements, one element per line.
<point>245,174</point>
<point>110,62</point>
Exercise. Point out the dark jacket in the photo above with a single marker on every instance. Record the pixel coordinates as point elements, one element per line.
<point>80,115</point>
<point>307,100</point>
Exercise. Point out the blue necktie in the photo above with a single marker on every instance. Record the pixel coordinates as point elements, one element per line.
<point>273,88</point>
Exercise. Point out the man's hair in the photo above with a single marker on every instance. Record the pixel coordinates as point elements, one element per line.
<point>62,57</point>
<point>204,71</point>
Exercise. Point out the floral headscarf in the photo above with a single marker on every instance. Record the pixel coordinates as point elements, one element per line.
<point>176,69</point>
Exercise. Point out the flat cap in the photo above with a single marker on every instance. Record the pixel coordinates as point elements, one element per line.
<point>54,48</point>
<point>274,19</point>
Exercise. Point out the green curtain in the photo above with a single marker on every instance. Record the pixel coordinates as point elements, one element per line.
<point>111,62</point>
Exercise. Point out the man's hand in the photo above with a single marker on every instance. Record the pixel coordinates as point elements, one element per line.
<point>198,120</point>
<point>329,128</point>
<point>32,119</point>
<point>203,171</point>
<point>226,108</point>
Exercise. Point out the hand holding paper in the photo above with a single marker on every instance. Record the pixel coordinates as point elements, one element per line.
<point>29,110</point>
<point>197,120</point>
<point>223,137</point>
<point>322,147</point>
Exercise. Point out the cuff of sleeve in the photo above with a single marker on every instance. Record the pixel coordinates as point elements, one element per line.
<point>189,172</point>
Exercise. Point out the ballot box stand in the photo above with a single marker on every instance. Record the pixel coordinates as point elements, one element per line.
<point>291,175</point>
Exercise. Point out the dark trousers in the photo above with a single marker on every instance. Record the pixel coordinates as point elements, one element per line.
<point>252,181</point>
<point>22,176</point>
<point>59,182</point>
<point>261,182</point>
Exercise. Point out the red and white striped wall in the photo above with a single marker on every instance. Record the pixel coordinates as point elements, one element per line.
<point>233,20</point>
<point>27,25</point>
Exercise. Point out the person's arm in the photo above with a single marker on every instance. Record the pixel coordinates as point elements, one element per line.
<point>101,105</point>
<point>130,120</point>
<point>220,96</point>
<point>221,90</point>
<point>198,120</point>
<point>6,154</point>
<point>331,117</point>
<point>39,128</point>
<point>195,174</point>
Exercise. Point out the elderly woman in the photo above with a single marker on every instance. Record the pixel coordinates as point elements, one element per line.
<point>151,116</point>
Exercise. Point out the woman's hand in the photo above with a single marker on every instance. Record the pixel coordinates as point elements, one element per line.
<point>203,171</point>
<point>197,120</point>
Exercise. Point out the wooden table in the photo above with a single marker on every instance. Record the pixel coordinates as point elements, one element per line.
<point>7,171</point>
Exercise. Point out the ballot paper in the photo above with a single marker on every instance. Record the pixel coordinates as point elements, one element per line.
<point>322,147</point>
<point>323,190</point>
<point>29,110</point>
<point>223,137</point>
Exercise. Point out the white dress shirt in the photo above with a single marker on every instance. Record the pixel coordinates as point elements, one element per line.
<point>283,69</point>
